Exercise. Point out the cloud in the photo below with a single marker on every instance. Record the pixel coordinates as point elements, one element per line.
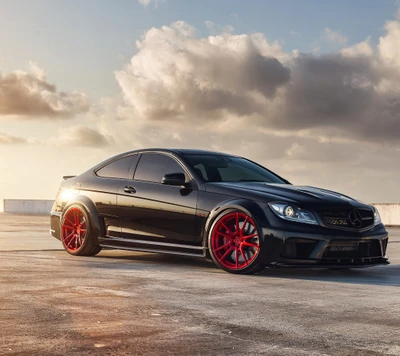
<point>179,77</point>
<point>147,2</point>
<point>177,74</point>
<point>30,95</point>
<point>360,49</point>
<point>11,140</point>
<point>389,48</point>
<point>333,36</point>
<point>81,136</point>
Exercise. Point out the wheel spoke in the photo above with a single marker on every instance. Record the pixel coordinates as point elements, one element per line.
<point>226,227</point>
<point>69,237</point>
<point>227,252</point>
<point>237,222</point>
<point>224,235</point>
<point>245,243</point>
<point>249,236</point>
<point>244,256</point>
<point>237,257</point>
<point>221,247</point>
<point>70,243</point>
<point>244,225</point>
<point>68,227</point>
<point>69,221</point>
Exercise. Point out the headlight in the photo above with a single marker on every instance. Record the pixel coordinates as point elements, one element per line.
<point>292,213</point>
<point>377,217</point>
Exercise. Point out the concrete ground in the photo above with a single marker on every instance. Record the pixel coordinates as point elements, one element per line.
<point>123,303</point>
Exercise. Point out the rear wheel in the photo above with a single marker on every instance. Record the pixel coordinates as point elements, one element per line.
<point>235,244</point>
<point>76,233</point>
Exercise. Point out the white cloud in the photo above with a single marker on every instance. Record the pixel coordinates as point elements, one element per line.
<point>37,71</point>
<point>11,140</point>
<point>147,2</point>
<point>333,36</point>
<point>246,81</point>
<point>176,74</point>
<point>80,136</point>
<point>210,25</point>
<point>360,49</point>
<point>30,95</point>
<point>389,45</point>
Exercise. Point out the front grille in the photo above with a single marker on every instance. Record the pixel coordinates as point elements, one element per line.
<point>355,219</point>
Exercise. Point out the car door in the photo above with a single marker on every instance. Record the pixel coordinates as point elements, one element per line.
<point>102,189</point>
<point>150,210</point>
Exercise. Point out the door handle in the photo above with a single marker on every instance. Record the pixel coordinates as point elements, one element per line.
<point>129,189</point>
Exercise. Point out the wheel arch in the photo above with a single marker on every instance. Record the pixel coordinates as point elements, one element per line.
<point>250,207</point>
<point>90,209</point>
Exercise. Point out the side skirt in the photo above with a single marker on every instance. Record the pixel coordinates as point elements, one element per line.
<point>151,246</point>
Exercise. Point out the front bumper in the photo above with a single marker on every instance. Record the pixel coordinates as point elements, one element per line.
<point>325,249</point>
<point>55,224</point>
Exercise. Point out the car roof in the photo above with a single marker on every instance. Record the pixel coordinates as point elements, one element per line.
<point>182,151</point>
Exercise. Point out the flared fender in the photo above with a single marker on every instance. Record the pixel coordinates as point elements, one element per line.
<point>249,207</point>
<point>90,208</point>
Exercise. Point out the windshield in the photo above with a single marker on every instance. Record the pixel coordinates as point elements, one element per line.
<point>218,168</point>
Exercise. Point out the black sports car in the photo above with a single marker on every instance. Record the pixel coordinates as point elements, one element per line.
<point>224,207</point>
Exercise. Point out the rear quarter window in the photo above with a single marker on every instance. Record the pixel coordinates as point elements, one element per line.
<point>117,169</point>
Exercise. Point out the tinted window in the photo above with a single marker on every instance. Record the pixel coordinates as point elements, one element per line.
<point>217,168</point>
<point>117,169</point>
<point>153,166</point>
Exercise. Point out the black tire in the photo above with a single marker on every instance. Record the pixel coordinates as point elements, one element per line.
<point>224,237</point>
<point>77,234</point>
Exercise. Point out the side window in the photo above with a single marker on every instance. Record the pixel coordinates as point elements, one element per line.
<point>117,169</point>
<point>153,166</point>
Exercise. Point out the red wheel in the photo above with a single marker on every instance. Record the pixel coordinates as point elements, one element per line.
<point>74,229</point>
<point>76,232</point>
<point>234,243</point>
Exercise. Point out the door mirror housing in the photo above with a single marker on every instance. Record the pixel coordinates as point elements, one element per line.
<point>177,179</point>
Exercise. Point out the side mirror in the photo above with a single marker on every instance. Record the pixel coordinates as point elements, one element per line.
<point>178,179</point>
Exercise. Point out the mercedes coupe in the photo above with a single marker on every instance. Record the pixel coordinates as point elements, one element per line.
<point>218,206</point>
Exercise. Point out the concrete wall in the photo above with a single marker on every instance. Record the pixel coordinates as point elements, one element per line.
<point>24,206</point>
<point>390,213</point>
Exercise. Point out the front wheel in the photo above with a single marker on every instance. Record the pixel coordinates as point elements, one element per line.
<point>234,243</point>
<point>77,235</point>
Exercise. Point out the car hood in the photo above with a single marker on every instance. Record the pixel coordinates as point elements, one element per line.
<point>303,196</point>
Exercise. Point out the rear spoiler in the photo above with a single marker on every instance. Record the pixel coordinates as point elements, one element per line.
<point>68,177</point>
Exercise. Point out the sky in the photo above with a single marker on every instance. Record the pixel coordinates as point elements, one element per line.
<point>310,89</point>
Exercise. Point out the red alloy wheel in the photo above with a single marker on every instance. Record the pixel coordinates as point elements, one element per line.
<point>234,241</point>
<point>74,229</point>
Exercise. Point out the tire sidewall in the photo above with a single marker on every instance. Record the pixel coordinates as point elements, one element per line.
<point>258,258</point>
